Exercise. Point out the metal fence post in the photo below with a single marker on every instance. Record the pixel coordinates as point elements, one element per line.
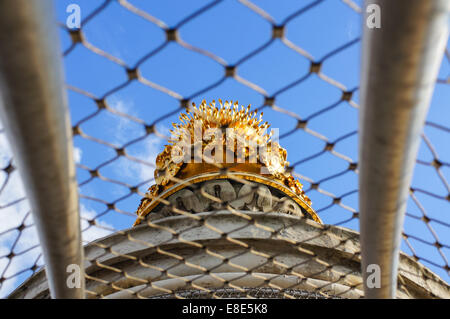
<point>35,115</point>
<point>400,63</point>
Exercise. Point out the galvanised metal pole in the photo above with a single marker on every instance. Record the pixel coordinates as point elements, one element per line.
<point>34,112</point>
<point>400,63</point>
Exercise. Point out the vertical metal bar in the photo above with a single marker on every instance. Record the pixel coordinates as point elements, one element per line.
<point>400,63</point>
<point>34,111</point>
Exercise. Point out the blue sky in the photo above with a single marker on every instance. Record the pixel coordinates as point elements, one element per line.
<point>231,31</point>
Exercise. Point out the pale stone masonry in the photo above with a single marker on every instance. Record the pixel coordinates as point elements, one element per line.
<point>286,256</point>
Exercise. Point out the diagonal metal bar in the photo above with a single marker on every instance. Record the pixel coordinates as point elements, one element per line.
<point>36,119</point>
<point>400,63</point>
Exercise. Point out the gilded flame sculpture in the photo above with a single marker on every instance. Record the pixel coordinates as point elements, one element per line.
<point>214,143</point>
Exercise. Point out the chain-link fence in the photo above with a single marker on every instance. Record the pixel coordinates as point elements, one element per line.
<point>121,119</point>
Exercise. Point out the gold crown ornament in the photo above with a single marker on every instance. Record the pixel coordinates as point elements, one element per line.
<point>219,143</point>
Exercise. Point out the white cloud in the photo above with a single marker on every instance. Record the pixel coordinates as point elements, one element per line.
<point>149,148</point>
<point>12,216</point>
<point>351,29</point>
<point>148,152</point>
<point>93,232</point>
<point>5,151</point>
<point>77,153</point>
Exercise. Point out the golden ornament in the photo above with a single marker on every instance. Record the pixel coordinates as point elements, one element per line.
<point>216,143</point>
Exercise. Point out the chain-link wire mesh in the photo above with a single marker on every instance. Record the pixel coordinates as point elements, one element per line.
<point>20,253</point>
<point>215,254</point>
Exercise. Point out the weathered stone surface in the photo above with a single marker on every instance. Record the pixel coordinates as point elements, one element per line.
<point>244,197</point>
<point>264,198</point>
<point>222,191</point>
<point>185,199</point>
<point>216,194</point>
<point>289,251</point>
<point>288,206</point>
